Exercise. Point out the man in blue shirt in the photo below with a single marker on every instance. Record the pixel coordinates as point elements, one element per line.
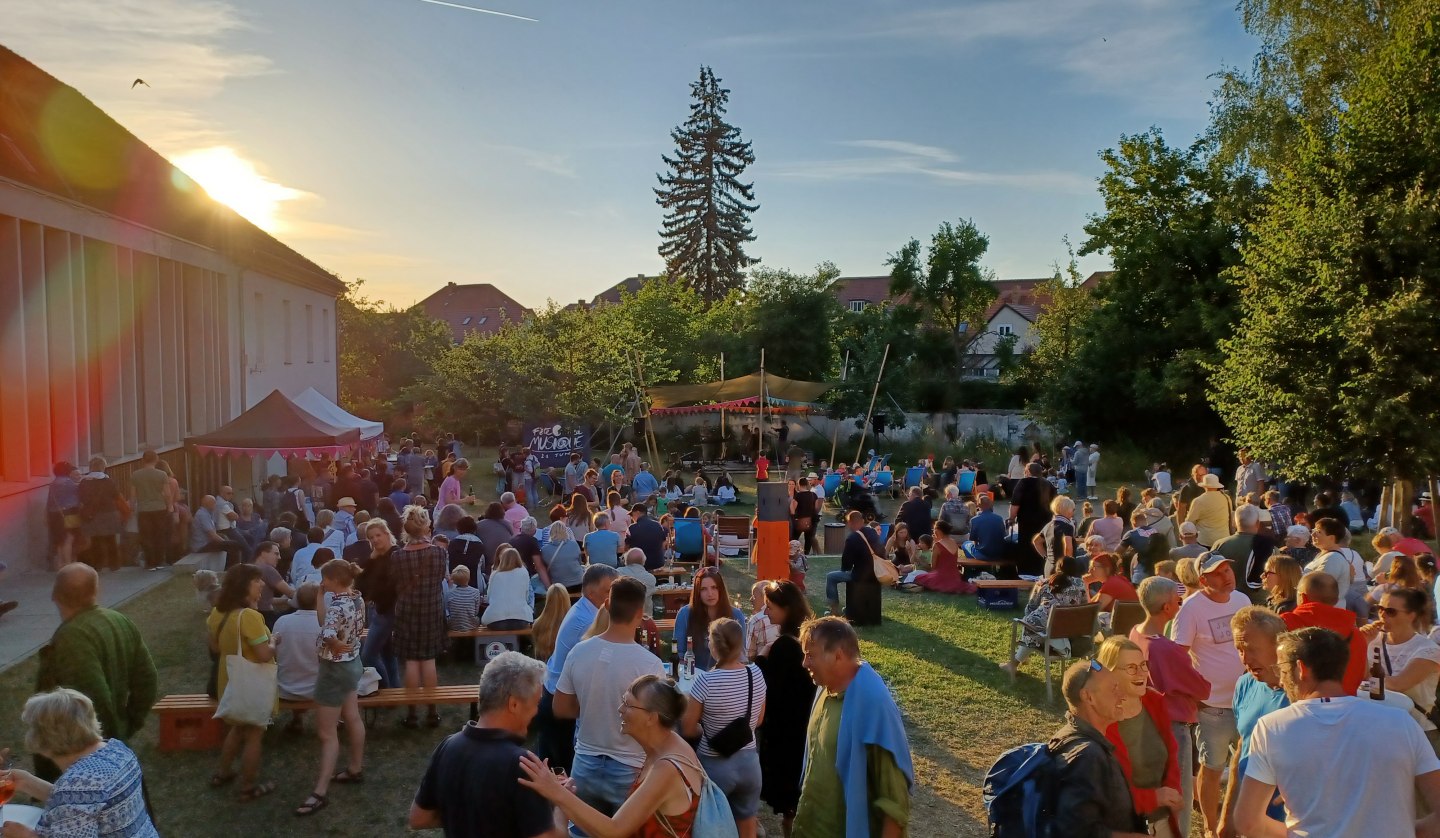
<point>1257,693</point>
<point>644,485</point>
<point>556,736</point>
<point>988,533</point>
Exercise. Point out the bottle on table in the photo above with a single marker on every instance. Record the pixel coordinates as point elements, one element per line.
<point>1377,675</point>
<point>689,664</point>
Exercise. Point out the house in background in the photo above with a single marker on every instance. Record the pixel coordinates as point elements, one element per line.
<point>857,292</point>
<point>628,285</point>
<point>480,308</point>
<point>139,311</point>
<point>1018,304</point>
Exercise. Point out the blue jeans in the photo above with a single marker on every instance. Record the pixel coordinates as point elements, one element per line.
<point>832,583</point>
<point>603,783</point>
<point>375,650</point>
<point>1184,748</point>
<point>1080,485</point>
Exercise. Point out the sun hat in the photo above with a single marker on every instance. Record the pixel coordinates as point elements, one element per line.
<point>1210,481</point>
<point>344,502</point>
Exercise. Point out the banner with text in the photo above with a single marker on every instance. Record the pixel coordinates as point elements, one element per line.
<point>554,441</point>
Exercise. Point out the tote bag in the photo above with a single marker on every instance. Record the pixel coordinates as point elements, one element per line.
<point>250,689</point>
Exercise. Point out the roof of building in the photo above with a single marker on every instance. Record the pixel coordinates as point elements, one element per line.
<point>54,140</point>
<point>478,307</point>
<point>869,289</point>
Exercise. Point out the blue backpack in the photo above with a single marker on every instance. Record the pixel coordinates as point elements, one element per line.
<point>713,817</point>
<point>1020,791</point>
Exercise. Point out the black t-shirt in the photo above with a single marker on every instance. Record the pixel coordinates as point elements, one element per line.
<point>1054,534</point>
<point>1190,492</point>
<point>805,504</point>
<point>529,548</point>
<point>472,781</point>
<point>649,536</point>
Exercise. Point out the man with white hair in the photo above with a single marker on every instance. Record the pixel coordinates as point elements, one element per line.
<point>634,568</point>
<point>602,544</point>
<point>514,512</point>
<point>471,785</point>
<point>1247,550</point>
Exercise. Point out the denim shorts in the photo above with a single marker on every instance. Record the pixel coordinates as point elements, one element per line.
<point>738,775</point>
<point>336,681</point>
<point>602,782</point>
<point>1215,734</point>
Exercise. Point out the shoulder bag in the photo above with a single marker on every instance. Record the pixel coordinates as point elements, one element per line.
<point>250,688</point>
<point>737,733</point>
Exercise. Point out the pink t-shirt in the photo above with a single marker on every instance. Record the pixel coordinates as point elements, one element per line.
<point>449,492</point>
<point>514,515</point>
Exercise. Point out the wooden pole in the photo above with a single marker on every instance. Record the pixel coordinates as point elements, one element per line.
<point>835,431</point>
<point>760,425</point>
<point>1434,486</point>
<point>873,395</point>
<point>724,438</point>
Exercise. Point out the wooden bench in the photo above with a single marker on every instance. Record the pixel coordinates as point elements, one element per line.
<point>1017,584</point>
<point>736,525</point>
<point>187,722</point>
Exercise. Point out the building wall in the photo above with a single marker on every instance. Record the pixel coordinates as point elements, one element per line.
<point>1006,316</point>
<point>289,338</point>
<point>117,338</point>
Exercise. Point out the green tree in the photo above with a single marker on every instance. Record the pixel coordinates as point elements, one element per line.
<point>408,340</point>
<point>791,316</point>
<point>1048,368</point>
<point>946,287</point>
<point>707,207</point>
<point>1337,365</point>
<point>1171,226</point>
<point>1310,52</point>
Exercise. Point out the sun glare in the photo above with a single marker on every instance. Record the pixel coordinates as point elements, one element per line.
<point>232,180</point>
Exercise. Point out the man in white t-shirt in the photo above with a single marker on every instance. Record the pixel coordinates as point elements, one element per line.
<point>1344,765</point>
<point>296,660</point>
<point>596,674</point>
<point>1203,627</point>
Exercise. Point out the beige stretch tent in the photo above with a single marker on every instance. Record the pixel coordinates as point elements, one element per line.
<point>733,389</point>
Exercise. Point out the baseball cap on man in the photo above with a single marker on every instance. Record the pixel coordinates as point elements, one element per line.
<point>1189,528</point>
<point>1209,562</point>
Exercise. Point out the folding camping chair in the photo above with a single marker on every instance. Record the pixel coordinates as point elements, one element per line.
<point>1075,623</point>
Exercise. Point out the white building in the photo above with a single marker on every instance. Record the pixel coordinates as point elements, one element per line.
<point>137,310</point>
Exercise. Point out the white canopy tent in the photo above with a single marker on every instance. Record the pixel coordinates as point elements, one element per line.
<point>315,402</point>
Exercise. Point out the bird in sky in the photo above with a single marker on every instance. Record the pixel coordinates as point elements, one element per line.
<point>139,81</point>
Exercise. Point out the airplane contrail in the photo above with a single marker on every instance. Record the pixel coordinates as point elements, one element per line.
<point>482,11</point>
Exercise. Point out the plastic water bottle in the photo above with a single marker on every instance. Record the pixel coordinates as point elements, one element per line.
<point>689,665</point>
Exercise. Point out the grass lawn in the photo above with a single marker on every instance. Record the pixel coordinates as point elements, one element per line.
<point>938,652</point>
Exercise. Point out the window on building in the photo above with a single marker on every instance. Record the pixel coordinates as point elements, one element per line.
<point>858,306</point>
<point>257,318</point>
<point>285,306</point>
<point>325,334</point>
<point>481,321</point>
<point>1004,330</point>
<point>309,334</point>
<point>466,321</point>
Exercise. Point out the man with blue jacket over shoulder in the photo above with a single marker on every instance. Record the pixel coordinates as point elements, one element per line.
<point>858,774</point>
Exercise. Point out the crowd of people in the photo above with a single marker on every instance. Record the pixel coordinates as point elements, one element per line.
<point>1264,632</point>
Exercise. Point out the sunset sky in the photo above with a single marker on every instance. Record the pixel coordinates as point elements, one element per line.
<point>414,144</point>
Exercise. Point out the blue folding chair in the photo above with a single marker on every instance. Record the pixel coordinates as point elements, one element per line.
<point>914,475</point>
<point>884,481</point>
<point>832,482</point>
<point>689,541</point>
<point>966,482</point>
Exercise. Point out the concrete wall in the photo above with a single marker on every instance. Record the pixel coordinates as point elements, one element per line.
<point>289,335</point>
<point>814,432</point>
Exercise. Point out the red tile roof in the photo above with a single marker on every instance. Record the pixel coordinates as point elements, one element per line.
<point>54,140</point>
<point>481,308</point>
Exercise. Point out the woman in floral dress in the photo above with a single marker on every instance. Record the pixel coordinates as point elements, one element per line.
<point>1065,587</point>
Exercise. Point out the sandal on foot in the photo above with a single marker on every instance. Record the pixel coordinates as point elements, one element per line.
<point>217,780</point>
<point>256,791</point>
<point>347,776</point>
<point>313,803</point>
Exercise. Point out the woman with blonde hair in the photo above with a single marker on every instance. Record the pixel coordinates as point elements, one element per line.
<point>547,625</point>
<point>1189,575</point>
<point>562,558</point>
<point>99,791</point>
<point>510,605</point>
<point>378,587</point>
<point>1282,582</point>
<point>1141,736</point>
<point>419,570</point>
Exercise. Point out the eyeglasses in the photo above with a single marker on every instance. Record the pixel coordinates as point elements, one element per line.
<point>1095,666</point>
<point>1269,573</point>
<point>626,705</point>
<point>1391,612</point>
<point>1136,668</point>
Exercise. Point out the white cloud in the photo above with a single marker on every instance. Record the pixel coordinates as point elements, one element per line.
<point>1150,51</point>
<point>901,159</point>
<point>100,47</point>
<point>553,163</point>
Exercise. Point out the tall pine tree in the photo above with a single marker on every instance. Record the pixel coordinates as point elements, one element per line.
<point>707,208</point>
